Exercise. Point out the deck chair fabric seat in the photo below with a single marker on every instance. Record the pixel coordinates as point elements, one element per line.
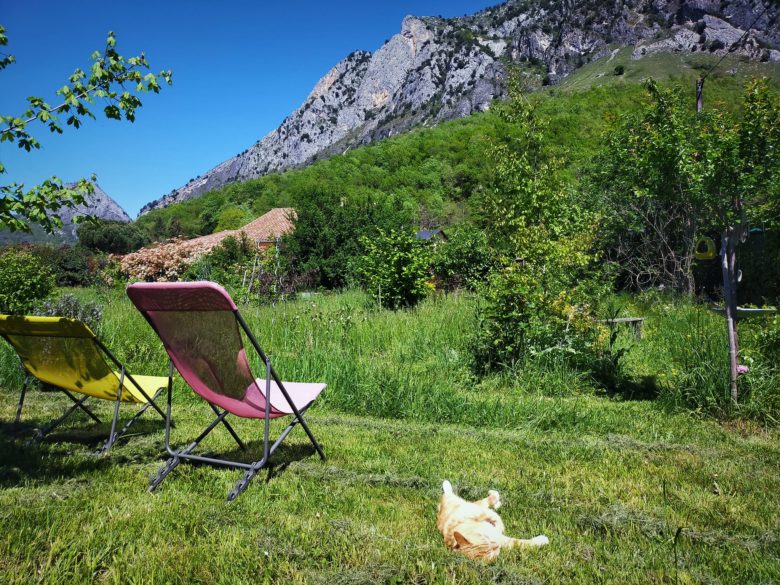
<point>66,354</point>
<point>252,405</point>
<point>200,328</point>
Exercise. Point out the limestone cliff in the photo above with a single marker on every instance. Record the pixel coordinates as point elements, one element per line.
<point>438,69</point>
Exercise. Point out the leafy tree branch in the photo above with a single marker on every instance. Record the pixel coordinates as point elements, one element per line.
<point>112,78</point>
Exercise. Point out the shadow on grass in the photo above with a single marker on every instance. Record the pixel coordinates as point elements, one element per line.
<point>629,388</point>
<point>53,456</point>
<point>42,462</point>
<point>281,459</point>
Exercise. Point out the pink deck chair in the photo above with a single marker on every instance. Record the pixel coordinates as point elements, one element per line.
<point>198,324</point>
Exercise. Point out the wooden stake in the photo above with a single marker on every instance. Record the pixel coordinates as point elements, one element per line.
<point>699,94</point>
<point>728,255</point>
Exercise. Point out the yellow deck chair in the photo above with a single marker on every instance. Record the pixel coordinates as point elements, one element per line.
<point>66,354</point>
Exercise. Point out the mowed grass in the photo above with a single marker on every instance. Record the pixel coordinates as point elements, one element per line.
<point>627,491</point>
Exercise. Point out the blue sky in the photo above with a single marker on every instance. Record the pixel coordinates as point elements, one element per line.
<point>239,68</point>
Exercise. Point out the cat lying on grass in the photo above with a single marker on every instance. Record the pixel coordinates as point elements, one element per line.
<point>475,530</point>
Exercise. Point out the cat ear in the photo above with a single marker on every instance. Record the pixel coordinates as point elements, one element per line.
<point>460,539</point>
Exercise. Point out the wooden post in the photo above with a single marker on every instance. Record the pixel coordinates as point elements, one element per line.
<point>699,94</point>
<point>728,247</point>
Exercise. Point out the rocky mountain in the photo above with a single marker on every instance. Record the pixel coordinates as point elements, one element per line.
<point>99,204</point>
<point>438,69</point>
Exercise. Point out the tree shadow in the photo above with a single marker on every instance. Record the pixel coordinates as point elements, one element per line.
<point>630,388</point>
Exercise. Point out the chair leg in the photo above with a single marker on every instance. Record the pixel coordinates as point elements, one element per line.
<point>229,428</point>
<point>21,400</point>
<point>268,450</point>
<point>311,437</point>
<point>80,404</point>
<point>54,424</point>
<point>176,456</point>
<point>136,416</point>
<point>112,434</point>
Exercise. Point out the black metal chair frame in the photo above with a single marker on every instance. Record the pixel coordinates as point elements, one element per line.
<point>176,456</point>
<point>113,436</point>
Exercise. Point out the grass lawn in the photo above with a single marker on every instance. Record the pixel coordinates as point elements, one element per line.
<point>626,491</point>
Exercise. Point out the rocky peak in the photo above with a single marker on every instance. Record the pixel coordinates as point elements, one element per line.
<point>438,69</point>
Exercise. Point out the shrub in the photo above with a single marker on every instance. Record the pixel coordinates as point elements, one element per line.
<point>24,280</point>
<point>536,302</point>
<point>464,260</point>
<point>395,268</point>
<point>232,218</point>
<point>111,237</point>
<point>225,263</point>
<point>74,266</point>
<point>328,228</point>
<point>619,70</point>
<point>68,305</point>
<point>527,313</point>
<point>163,262</point>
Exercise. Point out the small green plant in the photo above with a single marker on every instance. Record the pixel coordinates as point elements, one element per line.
<point>25,279</point>
<point>619,70</point>
<point>226,263</point>
<point>395,268</point>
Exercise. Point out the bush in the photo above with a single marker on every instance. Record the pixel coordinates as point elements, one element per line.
<point>74,266</point>
<point>232,218</point>
<point>525,314</point>
<point>24,280</point>
<point>328,230</point>
<point>619,70</point>
<point>225,263</point>
<point>70,306</point>
<point>464,260</point>
<point>536,302</point>
<point>395,268</point>
<point>111,237</point>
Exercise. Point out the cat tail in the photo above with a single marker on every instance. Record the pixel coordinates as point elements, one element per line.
<point>536,541</point>
<point>447,487</point>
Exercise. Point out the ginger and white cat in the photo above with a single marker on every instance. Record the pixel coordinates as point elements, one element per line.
<point>474,529</point>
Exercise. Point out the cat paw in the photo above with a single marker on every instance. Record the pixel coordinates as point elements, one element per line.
<point>494,499</point>
<point>540,540</point>
<point>447,487</point>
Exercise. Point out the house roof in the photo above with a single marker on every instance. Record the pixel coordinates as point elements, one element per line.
<point>265,228</point>
<point>430,234</point>
<point>166,260</point>
<point>272,225</point>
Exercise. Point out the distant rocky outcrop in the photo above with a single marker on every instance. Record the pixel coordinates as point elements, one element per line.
<point>438,69</point>
<point>98,204</point>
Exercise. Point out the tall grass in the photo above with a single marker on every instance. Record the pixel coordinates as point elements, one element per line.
<point>685,351</point>
<point>416,364</point>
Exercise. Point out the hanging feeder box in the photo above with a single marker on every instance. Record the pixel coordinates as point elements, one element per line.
<point>705,249</point>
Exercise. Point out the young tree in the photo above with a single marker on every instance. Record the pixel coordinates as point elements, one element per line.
<point>669,174</point>
<point>116,80</point>
<point>543,240</point>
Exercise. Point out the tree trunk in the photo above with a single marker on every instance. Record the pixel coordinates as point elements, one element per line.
<point>728,255</point>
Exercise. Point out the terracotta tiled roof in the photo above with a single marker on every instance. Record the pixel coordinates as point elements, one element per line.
<point>270,226</point>
<point>146,263</point>
<point>265,228</point>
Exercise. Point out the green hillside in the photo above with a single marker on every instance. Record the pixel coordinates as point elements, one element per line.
<point>435,173</point>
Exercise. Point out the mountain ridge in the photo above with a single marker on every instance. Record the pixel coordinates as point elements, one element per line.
<point>98,204</point>
<point>437,69</point>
